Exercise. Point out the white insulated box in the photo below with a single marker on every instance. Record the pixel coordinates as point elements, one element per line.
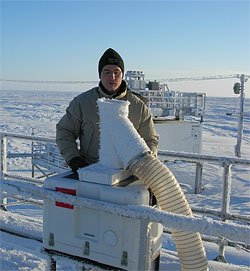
<point>92,234</point>
<point>178,135</point>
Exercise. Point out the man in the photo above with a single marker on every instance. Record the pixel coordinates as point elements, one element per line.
<point>81,120</point>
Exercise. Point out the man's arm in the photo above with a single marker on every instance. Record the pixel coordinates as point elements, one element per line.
<point>147,130</point>
<point>67,131</point>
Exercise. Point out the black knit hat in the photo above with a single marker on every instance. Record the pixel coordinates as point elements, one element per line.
<point>110,57</point>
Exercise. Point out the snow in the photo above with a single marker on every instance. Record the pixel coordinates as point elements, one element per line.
<point>25,111</point>
<point>119,139</point>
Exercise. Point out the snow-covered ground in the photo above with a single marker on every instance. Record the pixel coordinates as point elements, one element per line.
<point>24,112</point>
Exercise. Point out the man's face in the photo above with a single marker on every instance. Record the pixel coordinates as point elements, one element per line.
<point>111,78</point>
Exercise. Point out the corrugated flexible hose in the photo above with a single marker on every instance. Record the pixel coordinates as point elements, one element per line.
<point>156,176</point>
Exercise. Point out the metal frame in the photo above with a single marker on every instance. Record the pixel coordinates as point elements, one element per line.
<point>43,154</point>
<point>226,163</point>
<point>172,103</point>
<point>146,214</point>
<point>198,159</point>
<point>237,147</point>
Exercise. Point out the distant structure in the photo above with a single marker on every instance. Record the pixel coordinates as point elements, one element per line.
<point>165,103</point>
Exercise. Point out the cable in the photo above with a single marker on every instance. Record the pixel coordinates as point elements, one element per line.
<point>178,79</point>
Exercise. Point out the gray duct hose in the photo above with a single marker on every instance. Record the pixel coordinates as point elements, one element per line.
<point>122,146</point>
<point>156,176</point>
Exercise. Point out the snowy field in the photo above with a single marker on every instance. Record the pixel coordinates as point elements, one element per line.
<point>24,112</point>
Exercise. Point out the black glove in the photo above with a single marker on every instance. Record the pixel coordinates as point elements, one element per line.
<point>76,163</point>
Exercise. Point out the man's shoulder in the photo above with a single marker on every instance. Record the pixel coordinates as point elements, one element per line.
<point>138,98</point>
<point>86,95</point>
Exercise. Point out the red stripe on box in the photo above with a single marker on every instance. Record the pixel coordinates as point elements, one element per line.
<point>65,191</point>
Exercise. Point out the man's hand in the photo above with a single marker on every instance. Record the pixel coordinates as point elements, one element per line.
<point>76,163</point>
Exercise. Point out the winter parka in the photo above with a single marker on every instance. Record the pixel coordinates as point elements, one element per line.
<point>81,121</point>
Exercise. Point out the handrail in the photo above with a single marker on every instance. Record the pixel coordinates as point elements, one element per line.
<point>195,157</point>
<point>29,137</point>
<point>199,159</point>
<point>33,154</point>
<point>226,163</point>
<point>176,221</point>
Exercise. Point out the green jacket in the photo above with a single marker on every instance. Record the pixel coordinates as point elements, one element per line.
<point>81,121</point>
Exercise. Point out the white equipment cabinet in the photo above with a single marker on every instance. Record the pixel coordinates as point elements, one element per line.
<point>96,235</point>
<point>178,135</point>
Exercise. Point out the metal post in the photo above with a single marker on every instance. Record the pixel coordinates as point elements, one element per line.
<point>3,155</point>
<point>225,204</point>
<point>32,156</point>
<point>144,257</point>
<point>3,165</point>
<point>241,118</point>
<point>52,264</point>
<point>198,178</point>
<point>226,188</point>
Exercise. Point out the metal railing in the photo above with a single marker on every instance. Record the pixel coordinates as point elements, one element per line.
<point>176,103</point>
<point>43,153</point>
<point>146,215</point>
<point>222,161</point>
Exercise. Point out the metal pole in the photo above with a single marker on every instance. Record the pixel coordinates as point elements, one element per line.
<point>144,257</point>
<point>241,118</point>
<point>52,264</point>
<point>198,178</point>
<point>226,188</point>
<point>3,166</point>
<point>32,157</point>
<point>225,203</point>
<point>3,155</point>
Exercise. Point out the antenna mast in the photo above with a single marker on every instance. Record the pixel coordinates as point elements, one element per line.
<point>237,147</point>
